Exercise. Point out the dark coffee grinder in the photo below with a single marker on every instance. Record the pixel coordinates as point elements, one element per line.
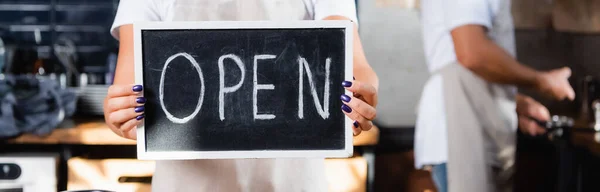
<point>591,103</point>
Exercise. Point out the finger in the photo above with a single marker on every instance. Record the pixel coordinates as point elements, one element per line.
<point>123,90</point>
<point>129,125</point>
<point>367,91</point>
<point>570,92</point>
<point>118,103</point>
<point>525,125</point>
<point>537,111</point>
<point>366,110</point>
<point>357,117</point>
<point>540,130</point>
<point>131,134</point>
<point>522,104</point>
<point>565,72</point>
<point>119,117</point>
<point>366,126</point>
<point>356,130</point>
<point>530,127</point>
<point>530,108</point>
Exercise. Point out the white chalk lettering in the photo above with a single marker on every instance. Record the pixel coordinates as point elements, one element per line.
<point>322,110</point>
<point>162,89</point>
<point>260,87</point>
<point>222,88</point>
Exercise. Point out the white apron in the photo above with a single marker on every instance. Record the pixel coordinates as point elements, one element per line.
<point>481,120</point>
<point>260,175</point>
<point>481,138</point>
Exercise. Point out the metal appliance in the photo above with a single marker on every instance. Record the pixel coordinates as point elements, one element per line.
<point>590,109</point>
<point>28,172</point>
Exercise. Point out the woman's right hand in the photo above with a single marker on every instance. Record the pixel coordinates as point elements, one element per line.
<point>124,109</point>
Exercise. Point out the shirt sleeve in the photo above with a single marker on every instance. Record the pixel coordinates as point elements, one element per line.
<point>130,11</point>
<point>467,12</point>
<point>325,8</point>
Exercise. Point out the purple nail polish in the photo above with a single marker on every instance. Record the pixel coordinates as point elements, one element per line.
<point>347,84</point>
<point>345,98</point>
<point>139,109</point>
<point>355,124</point>
<point>140,100</point>
<point>346,108</point>
<point>139,117</point>
<point>137,88</point>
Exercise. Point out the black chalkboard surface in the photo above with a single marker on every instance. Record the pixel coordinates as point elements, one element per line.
<point>251,89</point>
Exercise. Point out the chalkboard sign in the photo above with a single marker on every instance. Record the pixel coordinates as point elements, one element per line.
<point>243,89</point>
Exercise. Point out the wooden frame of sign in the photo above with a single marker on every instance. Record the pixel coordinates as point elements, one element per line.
<point>178,133</point>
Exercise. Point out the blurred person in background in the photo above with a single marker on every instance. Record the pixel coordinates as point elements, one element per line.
<point>470,109</point>
<point>124,108</point>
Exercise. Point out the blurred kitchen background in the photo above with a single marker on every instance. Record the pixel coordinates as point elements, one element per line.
<point>58,58</point>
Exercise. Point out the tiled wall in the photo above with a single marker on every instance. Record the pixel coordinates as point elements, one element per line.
<point>37,24</point>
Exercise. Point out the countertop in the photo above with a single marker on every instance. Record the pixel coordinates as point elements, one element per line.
<point>587,139</point>
<point>94,131</point>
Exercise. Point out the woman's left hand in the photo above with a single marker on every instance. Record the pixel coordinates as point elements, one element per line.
<point>360,106</point>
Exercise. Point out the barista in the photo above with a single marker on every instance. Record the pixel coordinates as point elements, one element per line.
<point>465,130</point>
<point>124,107</point>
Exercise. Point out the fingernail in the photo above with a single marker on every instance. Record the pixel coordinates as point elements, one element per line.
<point>140,100</point>
<point>347,84</point>
<point>346,108</point>
<point>139,117</point>
<point>355,124</point>
<point>137,88</point>
<point>139,109</point>
<point>345,98</point>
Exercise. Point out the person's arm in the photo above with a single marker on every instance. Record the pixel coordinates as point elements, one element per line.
<point>125,69</point>
<point>121,101</point>
<point>360,106</point>
<point>475,51</point>
<point>123,106</point>
<point>468,22</point>
<point>362,69</point>
<point>346,10</point>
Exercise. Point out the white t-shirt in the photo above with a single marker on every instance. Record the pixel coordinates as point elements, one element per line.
<point>438,18</point>
<point>170,10</point>
<point>261,175</point>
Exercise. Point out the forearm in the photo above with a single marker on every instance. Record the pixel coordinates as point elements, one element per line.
<point>362,70</point>
<point>499,67</point>
<point>124,72</point>
<point>478,53</point>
